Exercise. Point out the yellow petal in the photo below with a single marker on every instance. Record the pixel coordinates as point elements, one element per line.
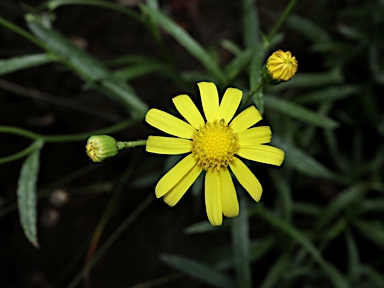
<point>169,124</point>
<point>178,191</point>
<point>246,179</point>
<point>209,99</point>
<point>168,145</point>
<point>229,104</point>
<point>262,153</point>
<point>188,110</point>
<point>213,202</point>
<point>228,194</point>
<point>254,136</point>
<point>174,175</point>
<point>246,119</point>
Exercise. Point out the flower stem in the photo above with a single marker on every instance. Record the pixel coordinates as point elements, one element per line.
<point>253,92</point>
<point>282,19</point>
<point>124,145</point>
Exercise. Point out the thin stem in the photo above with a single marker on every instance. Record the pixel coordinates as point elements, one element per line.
<point>105,218</point>
<point>125,145</point>
<point>112,238</point>
<point>20,154</point>
<point>66,138</point>
<point>21,32</point>
<point>252,93</point>
<point>282,19</point>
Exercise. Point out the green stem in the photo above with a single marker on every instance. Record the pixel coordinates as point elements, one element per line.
<point>20,154</point>
<point>66,138</point>
<point>252,93</point>
<point>282,19</point>
<point>21,32</point>
<point>125,145</point>
<point>112,238</point>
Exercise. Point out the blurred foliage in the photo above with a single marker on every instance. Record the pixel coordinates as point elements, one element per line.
<point>70,69</point>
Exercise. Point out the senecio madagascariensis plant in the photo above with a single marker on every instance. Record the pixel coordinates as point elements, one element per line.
<point>280,67</point>
<point>214,145</point>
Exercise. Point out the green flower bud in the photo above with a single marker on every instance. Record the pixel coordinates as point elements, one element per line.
<point>101,147</point>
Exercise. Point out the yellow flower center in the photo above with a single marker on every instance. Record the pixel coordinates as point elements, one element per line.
<point>214,145</point>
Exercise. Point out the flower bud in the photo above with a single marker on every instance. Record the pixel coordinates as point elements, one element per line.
<point>101,147</point>
<point>280,67</point>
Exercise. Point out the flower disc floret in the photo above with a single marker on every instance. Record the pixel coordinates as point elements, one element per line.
<point>214,145</point>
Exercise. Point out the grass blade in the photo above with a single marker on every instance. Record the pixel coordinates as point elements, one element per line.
<point>198,271</point>
<point>334,275</point>
<point>300,113</point>
<point>241,247</point>
<point>23,62</point>
<point>87,67</point>
<point>26,195</point>
<point>190,44</point>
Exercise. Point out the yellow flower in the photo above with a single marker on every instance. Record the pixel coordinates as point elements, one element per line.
<point>101,147</point>
<point>213,145</point>
<point>281,66</point>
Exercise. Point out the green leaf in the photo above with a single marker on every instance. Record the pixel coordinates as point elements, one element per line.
<point>26,194</point>
<point>277,271</point>
<point>333,274</point>
<point>302,80</point>
<point>298,112</point>
<point>301,161</point>
<point>284,200</point>
<point>353,255</point>
<point>198,271</point>
<point>328,94</point>
<point>87,67</point>
<point>308,28</point>
<point>23,62</point>
<point>251,24</point>
<point>190,44</point>
<point>344,199</point>
<point>241,246</point>
<point>374,276</point>
<point>373,231</point>
<point>238,64</point>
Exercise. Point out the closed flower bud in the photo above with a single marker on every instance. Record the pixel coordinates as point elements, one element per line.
<point>101,147</point>
<point>280,67</point>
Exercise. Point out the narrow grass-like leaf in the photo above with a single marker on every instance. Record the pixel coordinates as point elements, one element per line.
<point>373,231</point>
<point>26,195</point>
<point>276,271</point>
<point>190,44</point>
<point>305,209</point>
<point>344,199</point>
<point>23,62</point>
<point>311,80</point>
<point>353,255</point>
<point>198,271</point>
<point>200,227</point>
<point>308,28</point>
<point>54,4</point>
<point>241,246</point>
<point>301,161</point>
<point>284,201</point>
<point>251,25</point>
<point>328,94</point>
<point>238,64</point>
<point>298,112</point>
<point>334,275</point>
<point>87,67</point>
<point>374,276</point>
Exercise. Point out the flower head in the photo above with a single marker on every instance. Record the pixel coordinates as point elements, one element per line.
<point>213,145</point>
<point>101,147</point>
<point>280,66</point>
